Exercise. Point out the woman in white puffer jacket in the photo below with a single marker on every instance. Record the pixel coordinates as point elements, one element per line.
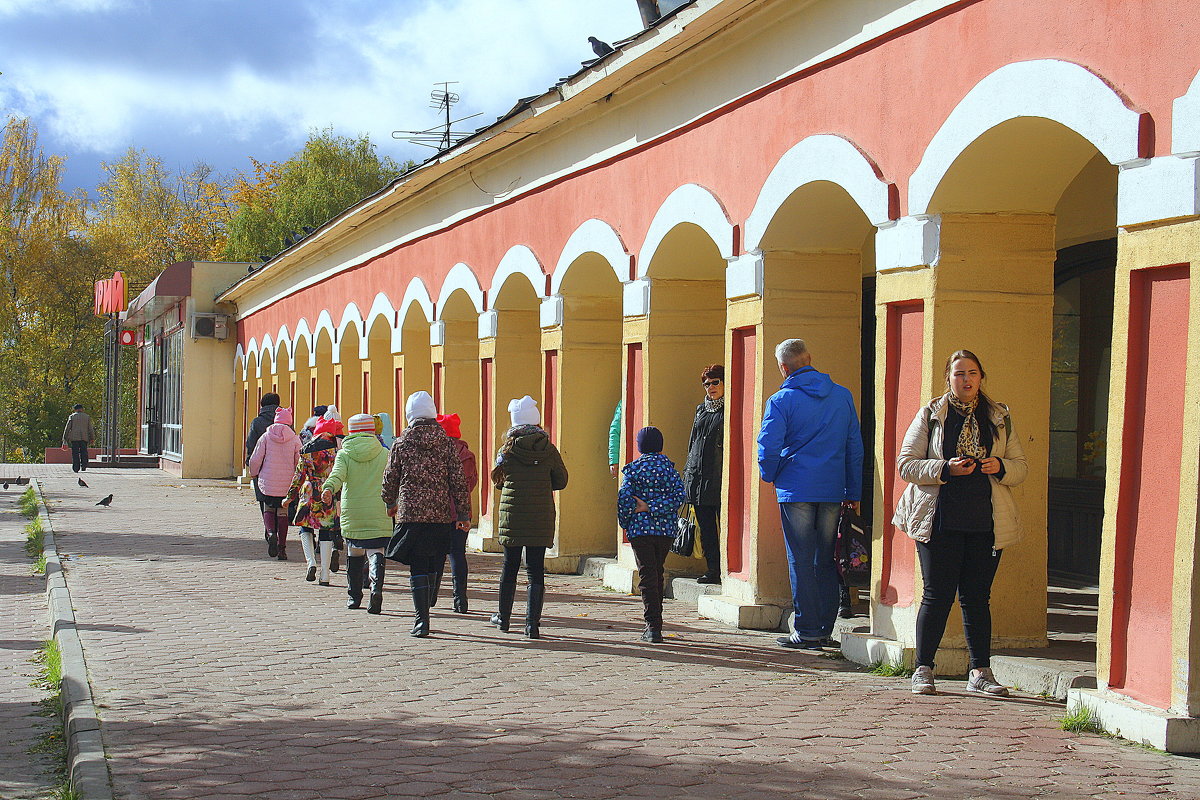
<point>959,457</point>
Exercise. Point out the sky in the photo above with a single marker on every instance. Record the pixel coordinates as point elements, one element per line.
<point>218,81</point>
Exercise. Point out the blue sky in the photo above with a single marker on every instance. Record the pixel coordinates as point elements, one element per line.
<point>220,80</point>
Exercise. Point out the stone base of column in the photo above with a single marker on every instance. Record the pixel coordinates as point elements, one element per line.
<point>483,541</point>
<point>620,578</point>
<point>1138,722</point>
<point>738,613</point>
<point>563,565</point>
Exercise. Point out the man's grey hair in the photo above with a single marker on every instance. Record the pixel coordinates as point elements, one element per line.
<point>790,352</point>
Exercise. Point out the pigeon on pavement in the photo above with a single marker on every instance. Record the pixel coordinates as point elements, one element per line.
<point>81,483</point>
<point>106,501</point>
<point>600,48</point>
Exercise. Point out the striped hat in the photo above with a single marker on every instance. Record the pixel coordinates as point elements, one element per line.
<point>361,423</point>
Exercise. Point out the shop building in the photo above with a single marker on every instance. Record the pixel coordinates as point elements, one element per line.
<point>185,416</point>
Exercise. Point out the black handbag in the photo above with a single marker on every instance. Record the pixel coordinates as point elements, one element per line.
<point>685,532</point>
<point>853,547</point>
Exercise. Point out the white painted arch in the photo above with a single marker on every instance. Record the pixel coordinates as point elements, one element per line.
<point>1056,90</point>
<point>822,157</point>
<point>593,236</point>
<point>1185,120</point>
<point>240,362</point>
<point>460,277</point>
<point>519,260</point>
<point>381,306</point>
<point>416,292</point>
<point>304,333</point>
<point>690,203</point>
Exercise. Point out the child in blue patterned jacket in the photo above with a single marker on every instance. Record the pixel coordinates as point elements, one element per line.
<point>647,507</point>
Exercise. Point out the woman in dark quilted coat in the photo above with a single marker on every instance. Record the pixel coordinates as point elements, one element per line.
<point>528,471</point>
<point>426,493</point>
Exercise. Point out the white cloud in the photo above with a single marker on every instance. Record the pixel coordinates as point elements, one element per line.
<point>364,71</point>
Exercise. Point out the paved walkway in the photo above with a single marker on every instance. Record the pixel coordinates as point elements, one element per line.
<point>219,673</point>
<point>24,627</point>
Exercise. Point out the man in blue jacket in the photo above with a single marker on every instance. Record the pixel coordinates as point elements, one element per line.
<point>811,449</point>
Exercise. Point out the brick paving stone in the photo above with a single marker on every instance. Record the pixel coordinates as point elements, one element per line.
<point>220,673</point>
<point>24,626</point>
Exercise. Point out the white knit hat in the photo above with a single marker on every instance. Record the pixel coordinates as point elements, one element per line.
<point>419,406</point>
<point>332,413</point>
<point>524,411</point>
<point>361,423</point>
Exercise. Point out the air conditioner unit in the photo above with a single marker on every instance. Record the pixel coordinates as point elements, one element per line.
<point>210,326</point>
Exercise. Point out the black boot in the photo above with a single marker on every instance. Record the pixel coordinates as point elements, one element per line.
<point>421,595</point>
<point>508,593</point>
<point>845,610</point>
<point>377,566</point>
<point>460,592</point>
<point>533,610</point>
<point>354,581</point>
<point>435,586</point>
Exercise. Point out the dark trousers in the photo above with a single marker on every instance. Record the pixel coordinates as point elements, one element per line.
<point>962,563</point>
<point>706,520</point>
<point>79,455</point>
<point>650,553</point>
<point>458,553</point>
<point>535,565</point>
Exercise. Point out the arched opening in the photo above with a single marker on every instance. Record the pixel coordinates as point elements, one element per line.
<point>249,403</point>
<point>283,380</point>
<point>302,394</point>
<point>667,349</point>
<point>267,378</point>
<point>378,382</point>
<point>510,367</point>
<point>322,381</point>
<point>582,375</point>
<point>456,380</point>
<point>1026,280</point>
<point>818,253</point>
<point>415,373</point>
<point>349,373</point>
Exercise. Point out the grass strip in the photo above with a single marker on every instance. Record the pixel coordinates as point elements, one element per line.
<point>27,503</point>
<point>53,742</point>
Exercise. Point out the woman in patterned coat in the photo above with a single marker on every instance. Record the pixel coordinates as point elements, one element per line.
<point>426,494</point>
<point>647,507</point>
<point>318,522</point>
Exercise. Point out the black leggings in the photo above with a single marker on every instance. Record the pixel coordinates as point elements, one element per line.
<point>962,563</point>
<point>710,540</point>
<point>535,565</point>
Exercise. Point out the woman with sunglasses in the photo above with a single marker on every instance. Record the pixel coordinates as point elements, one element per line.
<point>702,472</point>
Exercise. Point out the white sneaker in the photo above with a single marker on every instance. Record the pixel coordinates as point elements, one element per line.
<point>984,682</point>
<point>922,681</point>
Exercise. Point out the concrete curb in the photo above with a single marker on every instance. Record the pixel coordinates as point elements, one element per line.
<point>86,764</point>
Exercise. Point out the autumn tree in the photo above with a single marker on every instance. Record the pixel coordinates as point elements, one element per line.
<point>49,337</point>
<point>329,174</point>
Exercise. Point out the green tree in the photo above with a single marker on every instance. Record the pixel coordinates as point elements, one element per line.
<point>327,176</point>
<point>48,334</point>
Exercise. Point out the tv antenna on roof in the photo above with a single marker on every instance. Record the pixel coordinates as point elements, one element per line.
<point>440,136</point>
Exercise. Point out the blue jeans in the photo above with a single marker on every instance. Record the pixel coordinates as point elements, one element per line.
<point>809,531</point>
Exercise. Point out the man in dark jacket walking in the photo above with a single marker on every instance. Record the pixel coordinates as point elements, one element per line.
<point>810,447</point>
<point>78,434</point>
<point>258,426</point>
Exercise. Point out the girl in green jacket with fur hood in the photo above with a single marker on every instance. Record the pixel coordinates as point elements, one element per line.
<point>528,471</point>
<point>366,526</point>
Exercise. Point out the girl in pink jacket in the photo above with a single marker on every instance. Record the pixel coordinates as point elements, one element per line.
<point>273,462</point>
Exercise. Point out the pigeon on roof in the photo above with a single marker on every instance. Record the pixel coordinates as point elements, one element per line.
<point>600,48</point>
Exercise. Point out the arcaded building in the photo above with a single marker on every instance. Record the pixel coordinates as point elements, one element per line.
<point>889,180</point>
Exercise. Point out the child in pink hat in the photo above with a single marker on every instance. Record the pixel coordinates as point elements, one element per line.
<point>273,463</point>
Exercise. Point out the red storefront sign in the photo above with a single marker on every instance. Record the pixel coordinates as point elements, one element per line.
<point>112,295</point>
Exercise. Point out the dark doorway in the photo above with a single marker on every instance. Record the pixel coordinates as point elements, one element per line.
<point>1084,277</point>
